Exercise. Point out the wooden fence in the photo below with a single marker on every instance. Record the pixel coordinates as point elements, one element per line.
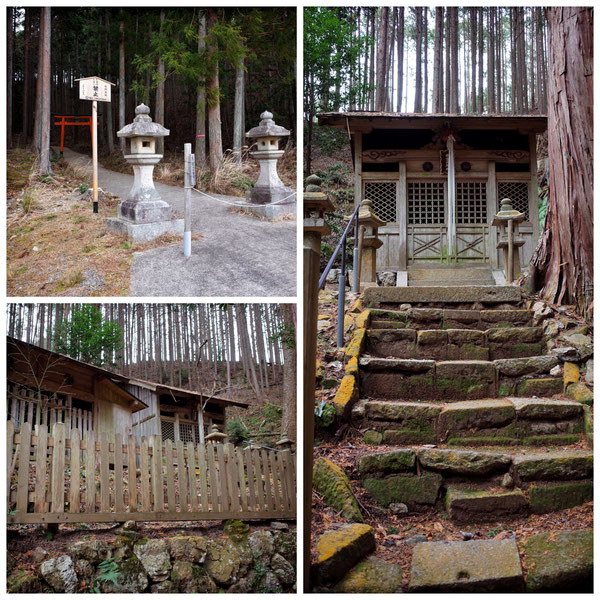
<point>59,479</point>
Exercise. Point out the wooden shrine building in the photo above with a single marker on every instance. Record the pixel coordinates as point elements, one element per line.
<point>437,181</point>
<point>44,387</point>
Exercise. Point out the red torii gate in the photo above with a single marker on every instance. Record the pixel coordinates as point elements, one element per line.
<point>62,121</point>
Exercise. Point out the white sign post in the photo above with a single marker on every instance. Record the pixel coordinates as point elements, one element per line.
<point>94,89</point>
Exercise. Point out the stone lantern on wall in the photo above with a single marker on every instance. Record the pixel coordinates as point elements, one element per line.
<point>371,242</point>
<point>269,197</point>
<point>507,221</point>
<point>143,215</point>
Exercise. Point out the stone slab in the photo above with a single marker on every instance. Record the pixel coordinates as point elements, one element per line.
<point>272,212</point>
<point>380,410</point>
<point>464,462</point>
<point>560,561</point>
<point>484,506</point>
<point>450,295</point>
<point>473,566</point>
<point>475,414</point>
<point>332,483</point>
<point>546,408</point>
<point>396,461</point>
<point>465,379</point>
<point>560,466</point>
<point>339,550</point>
<point>547,498</point>
<point>414,491</point>
<point>532,365</point>
<point>145,232</point>
<point>372,576</point>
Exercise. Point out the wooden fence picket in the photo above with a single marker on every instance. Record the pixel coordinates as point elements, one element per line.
<point>69,476</point>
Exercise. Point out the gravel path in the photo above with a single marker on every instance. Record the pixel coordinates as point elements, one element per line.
<point>238,255</point>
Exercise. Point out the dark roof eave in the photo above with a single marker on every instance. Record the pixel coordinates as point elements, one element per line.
<point>535,123</point>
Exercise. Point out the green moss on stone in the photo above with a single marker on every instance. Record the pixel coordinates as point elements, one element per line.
<point>546,498</point>
<point>373,437</point>
<point>482,441</point>
<point>559,561</point>
<point>237,530</point>
<point>544,387</point>
<point>397,461</point>
<point>331,482</point>
<point>411,490</point>
<point>550,440</point>
<point>504,390</point>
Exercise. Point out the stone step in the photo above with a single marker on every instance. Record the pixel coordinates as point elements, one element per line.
<point>502,421</point>
<point>448,274</point>
<point>385,297</point>
<point>455,282</point>
<point>477,506</point>
<point>448,318</point>
<point>456,380</point>
<point>476,485</point>
<point>455,344</point>
<point>473,566</point>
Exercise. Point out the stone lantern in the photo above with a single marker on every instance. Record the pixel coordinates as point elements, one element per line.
<point>284,444</point>
<point>143,215</point>
<point>371,242</point>
<point>269,197</point>
<point>215,436</point>
<point>507,221</point>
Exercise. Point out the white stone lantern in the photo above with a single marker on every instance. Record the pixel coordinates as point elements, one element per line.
<point>143,215</point>
<point>269,189</point>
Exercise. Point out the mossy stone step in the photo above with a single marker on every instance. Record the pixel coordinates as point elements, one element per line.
<point>372,576</point>
<point>566,465</point>
<point>547,498</point>
<point>375,296</point>
<point>473,566</point>
<point>413,490</point>
<point>560,561</point>
<point>339,550</point>
<point>468,505</point>
<point>463,462</point>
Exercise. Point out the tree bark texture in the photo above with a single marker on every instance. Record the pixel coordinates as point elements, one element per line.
<point>564,261</point>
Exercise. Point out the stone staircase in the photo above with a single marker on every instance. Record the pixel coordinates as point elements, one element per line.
<point>458,379</point>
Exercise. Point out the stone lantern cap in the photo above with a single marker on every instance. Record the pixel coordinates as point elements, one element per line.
<point>142,125</point>
<point>285,444</point>
<point>215,435</point>
<point>267,128</point>
<point>507,213</point>
<point>367,217</point>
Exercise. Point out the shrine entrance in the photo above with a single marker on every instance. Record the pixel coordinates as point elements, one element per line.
<point>438,180</point>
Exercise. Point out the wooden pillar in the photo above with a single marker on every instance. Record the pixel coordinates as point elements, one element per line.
<point>357,168</point>
<point>533,192</point>
<point>401,216</point>
<point>200,423</point>
<point>492,208</point>
<point>451,201</point>
<point>176,427</point>
<point>315,226</point>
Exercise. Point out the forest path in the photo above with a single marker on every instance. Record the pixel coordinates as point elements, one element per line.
<point>237,255</point>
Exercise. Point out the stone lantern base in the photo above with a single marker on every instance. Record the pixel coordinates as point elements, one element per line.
<point>272,211</point>
<point>145,232</point>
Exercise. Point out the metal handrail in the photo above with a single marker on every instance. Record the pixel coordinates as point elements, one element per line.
<point>342,281</point>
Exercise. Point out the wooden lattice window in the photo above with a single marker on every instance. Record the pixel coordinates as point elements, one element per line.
<point>518,192</point>
<point>383,196</point>
<point>188,432</point>
<point>426,203</point>
<point>167,430</point>
<point>471,202</point>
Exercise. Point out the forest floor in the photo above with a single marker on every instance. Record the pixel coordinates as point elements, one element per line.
<point>56,246</point>
<point>395,534</point>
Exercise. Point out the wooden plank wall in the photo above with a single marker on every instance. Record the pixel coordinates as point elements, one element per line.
<point>61,478</point>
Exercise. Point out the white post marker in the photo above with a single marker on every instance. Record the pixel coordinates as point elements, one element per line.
<point>189,181</point>
<point>94,89</point>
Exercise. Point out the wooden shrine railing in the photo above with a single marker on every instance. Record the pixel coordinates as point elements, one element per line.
<point>59,479</point>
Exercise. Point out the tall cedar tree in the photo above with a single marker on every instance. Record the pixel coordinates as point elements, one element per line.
<point>564,260</point>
